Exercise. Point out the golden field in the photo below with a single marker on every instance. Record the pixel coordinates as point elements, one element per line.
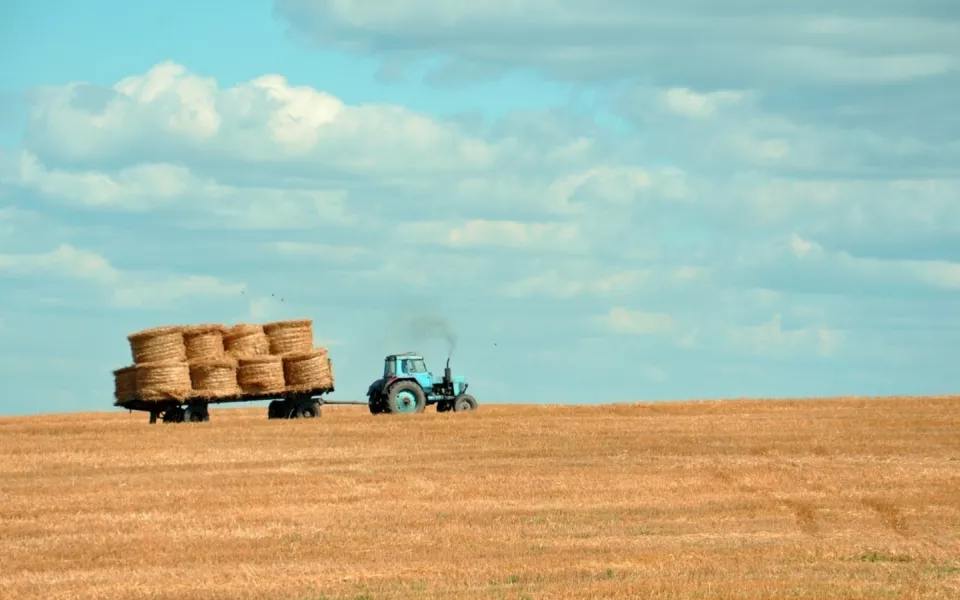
<point>827,499</point>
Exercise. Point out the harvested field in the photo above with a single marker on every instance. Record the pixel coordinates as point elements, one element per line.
<point>832,499</point>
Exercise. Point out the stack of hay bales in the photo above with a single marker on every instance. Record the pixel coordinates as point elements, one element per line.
<point>214,361</point>
<point>304,366</point>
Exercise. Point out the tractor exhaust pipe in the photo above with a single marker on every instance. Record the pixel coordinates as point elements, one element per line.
<point>447,375</point>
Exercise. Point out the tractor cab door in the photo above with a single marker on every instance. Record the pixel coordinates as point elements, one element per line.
<point>417,368</point>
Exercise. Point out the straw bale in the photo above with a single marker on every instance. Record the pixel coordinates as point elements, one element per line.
<point>158,344</point>
<point>168,380</point>
<point>261,374</point>
<point>290,337</point>
<point>327,379</point>
<point>204,343</point>
<point>214,378</point>
<point>245,341</point>
<point>125,384</point>
<point>306,370</point>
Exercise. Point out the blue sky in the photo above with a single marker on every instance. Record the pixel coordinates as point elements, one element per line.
<point>608,201</point>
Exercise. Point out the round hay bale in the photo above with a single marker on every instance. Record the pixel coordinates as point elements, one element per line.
<point>204,343</point>
<point>158,344</point>
<point>290,337</point>
<point>261,374</point>
<point>245,341</point>
<point>214,378</point>
<point>125,384</point>
<point>306,370</point>
<point>168,380</point>
<point>327,379</point>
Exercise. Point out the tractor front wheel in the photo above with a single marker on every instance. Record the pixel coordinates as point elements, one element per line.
<point>405,397</point>
<point>465,403</point>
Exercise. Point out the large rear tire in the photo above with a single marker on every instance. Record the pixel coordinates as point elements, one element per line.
<point>405,398</point>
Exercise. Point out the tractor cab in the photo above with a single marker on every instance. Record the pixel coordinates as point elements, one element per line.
<point>409,365</point>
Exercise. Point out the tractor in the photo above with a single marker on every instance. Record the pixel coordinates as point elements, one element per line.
<point>408,387</point>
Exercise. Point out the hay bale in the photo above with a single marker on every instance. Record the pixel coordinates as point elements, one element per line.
<point>204,343</point>
<point>327,380</point>
<point>169,380</point>
<point>245,341</point>
<point>158,344</point>
<point>306,370</point>
<point>290,337</point>
<point>125,384</point>
<point>261,374</point>
<point>214,378</point>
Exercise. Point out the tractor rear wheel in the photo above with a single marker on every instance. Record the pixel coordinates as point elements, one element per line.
<point>405,397</point>
<point>465,403</point>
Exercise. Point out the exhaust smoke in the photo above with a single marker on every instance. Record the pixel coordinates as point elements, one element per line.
<point>432,327</point>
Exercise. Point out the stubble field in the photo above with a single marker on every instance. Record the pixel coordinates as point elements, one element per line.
<point>852,498</point>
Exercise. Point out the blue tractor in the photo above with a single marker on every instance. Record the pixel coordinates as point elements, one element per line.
<point>407,387</point>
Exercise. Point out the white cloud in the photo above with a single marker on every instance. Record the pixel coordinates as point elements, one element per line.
<point>126,289</point>
<point>170,112</point>
<point>154,186</point>
<point>771,339</point>
<point>506,234</point>
<point>578,282</point>
<point>688,103</point>
<point>323,252</point>
<point>66,262</point>
<point>861,41</point>
<point>810,257</point>
<point>637,322</point>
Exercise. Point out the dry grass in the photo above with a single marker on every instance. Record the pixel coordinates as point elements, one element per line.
<point>834,499</point>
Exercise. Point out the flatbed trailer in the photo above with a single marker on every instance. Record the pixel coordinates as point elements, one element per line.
<point>283,405</point>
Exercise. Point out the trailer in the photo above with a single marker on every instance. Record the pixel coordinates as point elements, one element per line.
<point>283,405</point>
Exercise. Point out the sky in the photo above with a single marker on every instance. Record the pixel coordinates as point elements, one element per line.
<point>621,200</point>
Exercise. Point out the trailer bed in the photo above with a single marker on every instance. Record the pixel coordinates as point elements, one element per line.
<point>285,404</point>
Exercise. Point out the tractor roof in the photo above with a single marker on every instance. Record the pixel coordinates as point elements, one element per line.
<point>405,355</point>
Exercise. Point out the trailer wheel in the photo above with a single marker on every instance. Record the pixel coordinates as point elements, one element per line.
<point>274,409</point>
<point>173,415</point>
<point>196,414</point>
<point>375,404</point>
<point>306,411</point>
<point>465,403</point>
<point>405,397</point>
<point>444,406</point>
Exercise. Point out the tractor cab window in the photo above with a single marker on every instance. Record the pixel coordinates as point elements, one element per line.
<point>390,368</point>
<point>416,366</point>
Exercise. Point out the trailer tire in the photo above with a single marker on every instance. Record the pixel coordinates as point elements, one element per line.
<point>444,406</point>
<point>195,414</point>
<point>375,404</point>
<point>405,397</point>
<point>173,415</point>
<point>274,409</point>
<point>306,411</point>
